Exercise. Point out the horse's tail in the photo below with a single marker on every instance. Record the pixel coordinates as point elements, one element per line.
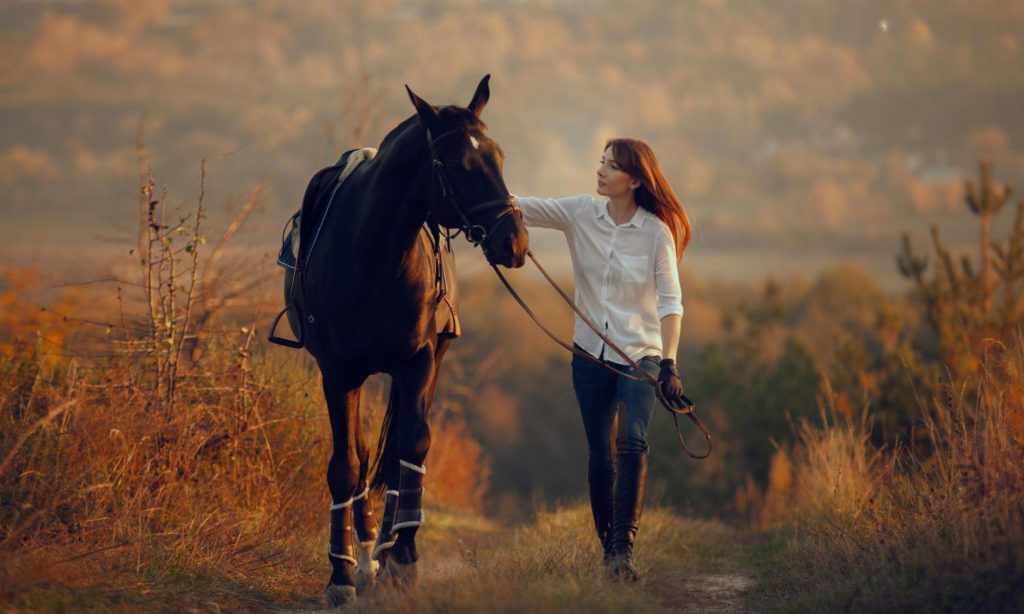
<point>385,456</point>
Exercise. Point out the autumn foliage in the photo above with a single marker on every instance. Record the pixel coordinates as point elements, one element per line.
<point>169,442</point>
<point>169,446</point>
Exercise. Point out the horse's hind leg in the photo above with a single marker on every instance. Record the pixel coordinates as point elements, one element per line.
<point>405,458</point>
<point>343,481</point>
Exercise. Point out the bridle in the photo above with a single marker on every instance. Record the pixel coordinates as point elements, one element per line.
<point>475,233</point>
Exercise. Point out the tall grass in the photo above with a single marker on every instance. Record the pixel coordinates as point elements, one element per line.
<point>890,531</point>
<point>101,488</point>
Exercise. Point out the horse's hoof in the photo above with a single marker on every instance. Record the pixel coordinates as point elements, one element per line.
<point>340,595</point>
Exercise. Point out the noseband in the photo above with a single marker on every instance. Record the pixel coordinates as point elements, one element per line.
<point>475,233</point>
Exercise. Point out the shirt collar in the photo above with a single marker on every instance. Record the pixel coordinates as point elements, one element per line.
<point>637,221</point>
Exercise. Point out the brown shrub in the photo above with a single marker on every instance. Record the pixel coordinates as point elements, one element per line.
<point>905,532</point>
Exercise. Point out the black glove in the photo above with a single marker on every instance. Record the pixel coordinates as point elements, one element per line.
<point>668,380</point>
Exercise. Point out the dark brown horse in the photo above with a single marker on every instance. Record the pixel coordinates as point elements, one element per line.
<point>365,297</point>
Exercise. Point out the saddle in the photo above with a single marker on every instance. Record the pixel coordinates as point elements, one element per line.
<point>315,206</point>
<point>298,240</point>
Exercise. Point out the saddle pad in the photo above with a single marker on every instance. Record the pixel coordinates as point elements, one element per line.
<point>446,315</point>
<point>292,238</point>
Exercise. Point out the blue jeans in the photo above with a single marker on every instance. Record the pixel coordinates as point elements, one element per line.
<point>598,392</point>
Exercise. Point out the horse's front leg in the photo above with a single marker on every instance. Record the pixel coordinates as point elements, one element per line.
<point>413,385</point>
<point>343,482</point>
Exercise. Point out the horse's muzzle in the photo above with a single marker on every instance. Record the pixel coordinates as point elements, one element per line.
<point>509,248</point>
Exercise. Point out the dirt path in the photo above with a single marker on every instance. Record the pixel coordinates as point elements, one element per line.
<point>712,593</point>
<point>707,593</point>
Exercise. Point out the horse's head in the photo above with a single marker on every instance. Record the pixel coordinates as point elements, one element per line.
<point>469,189</point>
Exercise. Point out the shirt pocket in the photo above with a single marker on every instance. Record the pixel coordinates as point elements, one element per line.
<point>634,269</point>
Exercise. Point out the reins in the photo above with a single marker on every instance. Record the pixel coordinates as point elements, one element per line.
<point>685,405</point>
<point>477,234</point>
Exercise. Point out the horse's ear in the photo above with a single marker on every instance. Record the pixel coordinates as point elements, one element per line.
<point>427,113</point>
<point>481,96</point>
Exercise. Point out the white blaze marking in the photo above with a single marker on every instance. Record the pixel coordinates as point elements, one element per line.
<point>475,143</point>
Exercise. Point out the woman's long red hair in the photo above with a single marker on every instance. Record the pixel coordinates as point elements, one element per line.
<point>637,159</point>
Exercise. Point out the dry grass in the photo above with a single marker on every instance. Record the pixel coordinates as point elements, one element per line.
<point>161,447</point>
<point>553,564</point>
<point>168,460</point>
<point>111,507</point>
<point>891,532</point>
<point>100,487</point>
<point>115,501</point>
<point>108,491</point>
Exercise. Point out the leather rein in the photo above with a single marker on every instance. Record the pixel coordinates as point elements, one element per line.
<point>477,235</point>
<point>684,406</point>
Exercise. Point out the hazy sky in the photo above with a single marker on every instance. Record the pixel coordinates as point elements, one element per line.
<point>798,133</point>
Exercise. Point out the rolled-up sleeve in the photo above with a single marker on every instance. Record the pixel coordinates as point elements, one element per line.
<point>556,213</point>
<point>666,276</point>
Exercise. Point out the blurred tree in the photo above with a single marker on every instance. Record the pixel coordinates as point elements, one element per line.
<point>986,201</point>
<point>958,300</point>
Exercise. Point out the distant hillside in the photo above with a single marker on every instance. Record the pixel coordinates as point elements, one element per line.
<point>788,127</point>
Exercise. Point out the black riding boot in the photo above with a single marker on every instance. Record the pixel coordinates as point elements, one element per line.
<point>601,479</point>
<point>629,500</point>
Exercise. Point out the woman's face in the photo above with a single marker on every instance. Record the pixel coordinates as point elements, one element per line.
<point>611,180</point>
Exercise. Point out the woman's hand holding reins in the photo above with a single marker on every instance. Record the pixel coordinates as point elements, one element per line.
<point>668,381</point>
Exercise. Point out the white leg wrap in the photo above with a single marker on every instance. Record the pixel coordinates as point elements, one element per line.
<point>375,555</point>
<point>420,469</point>
<point>410,523</point>
<point>338,506</point>
<point>386,537</point>
<point>341,556</point>
<point>410,499</point>
<point>347,531</point>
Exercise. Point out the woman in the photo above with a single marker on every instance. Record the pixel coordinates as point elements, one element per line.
<point>625,249</point>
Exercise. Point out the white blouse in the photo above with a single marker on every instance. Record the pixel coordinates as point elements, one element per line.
<point>626,275</point>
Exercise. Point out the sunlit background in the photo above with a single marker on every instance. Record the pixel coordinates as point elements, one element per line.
<point>868,422</point>
<point>799,133</point>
